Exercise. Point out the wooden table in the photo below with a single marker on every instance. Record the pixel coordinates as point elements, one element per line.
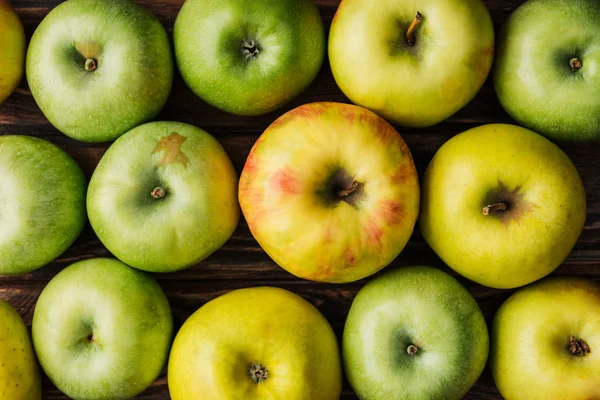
<point>241,262</point>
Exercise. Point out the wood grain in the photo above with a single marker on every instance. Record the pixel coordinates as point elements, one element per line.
<point>241,262</point>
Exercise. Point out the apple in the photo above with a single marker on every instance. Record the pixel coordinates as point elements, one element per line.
<point>548,79</point>
<point>12,50</point>
<point>330,192</point>
<point>414,333</point>
<point>546,342</point>
<point>502,205</point>
<point>164,197</point>
<point>102,330</point>
<point>98,68</point>
<point>414,62</point>
<point>42,200</point>
<point>248,57</point>
<point>19,374</point>
<point>255,343</point>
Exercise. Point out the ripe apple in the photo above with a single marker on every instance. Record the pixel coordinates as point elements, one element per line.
<point>330,192</point>
<point>19,374</point>
<point>164,197</point>
<point>12,50</point>
<point>98,68</point>
<point>502,205</point>
<point>43,203</point>
<point>414,333</point>
<point>256,343</point>
<point>102,330</point>
<point>415,62</point>
<point>546,342</point>
<point>248,57</point>
<point>548,79</point>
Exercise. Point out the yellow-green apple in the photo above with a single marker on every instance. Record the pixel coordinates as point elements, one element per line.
<point>415,62</point>
<point>414,333</point>
<point>546,342</point>
<point>502,205</point>
<point>19,373</point>
<point>248,57</point>
<point>548,78</point>
<point>163,197</point>
<point>255,344</point>
<point>98,68</point>
<point>102,330</point>
<point>12,50</point>
<point>330,192</point>
<point>42,201</point>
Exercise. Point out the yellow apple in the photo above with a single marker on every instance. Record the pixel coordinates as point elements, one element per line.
<point>255,344</point>
<point>546,342</point>
<point>19,374</point>
<point>12,50</point>
<point>330,191</point>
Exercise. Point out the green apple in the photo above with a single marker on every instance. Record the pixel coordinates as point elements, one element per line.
<point>42,203</point>
<point>248,57</point>
<point>546,342</point>
<point>19,373</point>
<point>414,62</point>
<point>12,50</point>
<point>102,330</point>
<point>330,192</point>
<point>98,68</point>
<point>502,205</point>
<point>256,344</point>
<point>547,77</point>
<point>164,197</point>
<point>414,333</point>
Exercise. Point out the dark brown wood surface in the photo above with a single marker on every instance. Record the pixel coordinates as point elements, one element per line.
<point>241,262</point>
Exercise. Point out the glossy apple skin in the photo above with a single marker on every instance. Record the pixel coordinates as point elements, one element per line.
<point>425,307</point>
<point>463,178</point>
<point>12,50</point>
<point>530,357</point>
<point>126,314</point>
<point>134,68</point>
<point>413,86</point>
<point>19,373</point>
<point>197,214</point>
<point>285,183</point>
<point>532,75</point>
<point>271,326</point>
<point>42,201</point>
<point>209,37</point>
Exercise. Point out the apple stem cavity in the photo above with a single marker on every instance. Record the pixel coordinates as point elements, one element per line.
<point>412,350</point>
<point>354,186</point>
<point>250,49</point>
<point>492,208</point>
<point>575,64</point>
<point>578,347</point>
<point>258,372</point>
<point>158,192</point>
<point>91,64</point>
<point>410,32</point>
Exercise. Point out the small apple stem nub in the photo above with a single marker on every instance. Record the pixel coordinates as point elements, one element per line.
<point>257,372</point>
<point>410,32</point>
<point>492,208</point>
<point>575,64</point>
<point>412,350</point>
<point>578,347</point>
<point>349,190</point>
<point>91,65</point>
<point>158,192</point>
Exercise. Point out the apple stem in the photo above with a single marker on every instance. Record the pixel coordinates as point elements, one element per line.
<point>349,190</point>
<point>412,350</point>
<point>492,208</point>
<point>158,192</point>
<point>578,347</point>
<point>91,65</point>
<point>258,372</point>
<point>410,32</point>
<point>575,64</point>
